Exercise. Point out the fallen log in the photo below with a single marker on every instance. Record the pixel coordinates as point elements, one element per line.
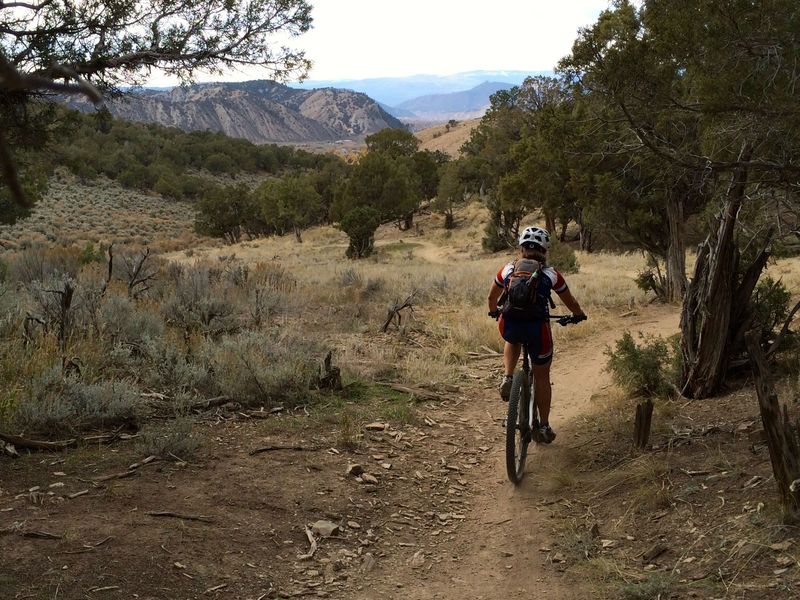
<point>120,475</point>
<point>210,403</point>
<point>169,513</point>
<point>275,448</point>
<point>419,393</point>
<point>20,442</point>
<point>783,435</point>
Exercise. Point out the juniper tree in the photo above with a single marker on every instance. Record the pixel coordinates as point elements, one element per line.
<point>97,47</point>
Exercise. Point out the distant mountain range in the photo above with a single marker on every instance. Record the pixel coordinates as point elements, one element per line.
<point>317,111</point>
<point>468,104</point>
<point>260,111</point>
<point>394,91</point>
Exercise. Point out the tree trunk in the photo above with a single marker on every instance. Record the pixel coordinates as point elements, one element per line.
<point>550,223</point>
<point>585,234</point>
<point>708,304</point>
<point>641,426</point>
<point>562,236</point>
<point>297,235</point>
<point>676,251</point>
<point>782,435</point>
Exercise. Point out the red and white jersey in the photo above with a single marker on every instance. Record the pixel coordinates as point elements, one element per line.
<point>559,285</point>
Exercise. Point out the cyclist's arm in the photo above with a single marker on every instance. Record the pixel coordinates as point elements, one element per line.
<point>494,295</point>
<point>569,300</point>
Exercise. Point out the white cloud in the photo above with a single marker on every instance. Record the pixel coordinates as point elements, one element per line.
<point>376,38</point>
<point>372,38</point>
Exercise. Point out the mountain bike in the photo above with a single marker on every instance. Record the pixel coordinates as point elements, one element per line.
<point>522,423</point>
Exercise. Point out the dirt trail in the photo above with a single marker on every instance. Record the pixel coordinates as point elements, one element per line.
<point>501,550</point>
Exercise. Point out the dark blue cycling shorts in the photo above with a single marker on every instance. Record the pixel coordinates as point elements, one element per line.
<point>536,334</point>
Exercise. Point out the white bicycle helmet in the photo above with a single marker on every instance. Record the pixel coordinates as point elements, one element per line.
<point>535,235</point>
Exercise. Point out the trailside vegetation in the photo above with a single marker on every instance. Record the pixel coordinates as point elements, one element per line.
<point>89,49</point>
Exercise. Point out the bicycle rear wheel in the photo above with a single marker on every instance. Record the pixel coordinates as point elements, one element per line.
<point>517,428</point>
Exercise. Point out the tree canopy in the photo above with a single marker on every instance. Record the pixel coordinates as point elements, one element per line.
<point>96,47</point>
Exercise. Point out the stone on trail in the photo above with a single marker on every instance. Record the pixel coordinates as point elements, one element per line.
<point>367,478</point>
<point>354,470</point>
<point>417,560</point>
<point>354,525</point>
<point>325,528</point>
<point>377,426</point>
<point>782,546</point>
<point>368,563</point>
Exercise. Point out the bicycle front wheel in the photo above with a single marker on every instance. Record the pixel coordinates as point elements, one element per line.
<point>517,428</point>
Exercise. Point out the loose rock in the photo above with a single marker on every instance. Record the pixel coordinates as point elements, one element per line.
<point>325,528</point>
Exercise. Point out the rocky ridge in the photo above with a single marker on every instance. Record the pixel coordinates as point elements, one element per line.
<point>259,111</point>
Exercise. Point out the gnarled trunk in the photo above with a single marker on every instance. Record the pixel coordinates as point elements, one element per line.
<point>783,440</point>
<point>708,322</point>
<point>550,223</point>
<point>676,252</point>
<point>585,234</point>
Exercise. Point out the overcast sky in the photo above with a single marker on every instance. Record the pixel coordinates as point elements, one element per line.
<point>359,39</point>
<point>375,38</point>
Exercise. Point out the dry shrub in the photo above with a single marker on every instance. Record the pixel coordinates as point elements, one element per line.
<point>124,321</point>
<point>174,440</point>
<point>43,264</point>
<point>255,368</point>
<point>167,368</point>
<point>58,405</point>
<point>201,302</point>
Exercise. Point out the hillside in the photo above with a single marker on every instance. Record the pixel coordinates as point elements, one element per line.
<point>447,139</point>
<point>465,104</point>
<point>393,91</point>
<point>155,512</point>
<point>259,111</point>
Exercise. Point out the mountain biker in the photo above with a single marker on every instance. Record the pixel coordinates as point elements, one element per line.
<point>533,245</point>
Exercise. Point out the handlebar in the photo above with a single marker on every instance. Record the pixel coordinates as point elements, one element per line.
<point>565,320</point>
<point>562,320</point>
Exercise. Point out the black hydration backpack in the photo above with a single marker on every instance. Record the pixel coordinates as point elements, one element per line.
<point>528,291</point>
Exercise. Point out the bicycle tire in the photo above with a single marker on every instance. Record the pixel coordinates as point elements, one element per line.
<point>517,438</point>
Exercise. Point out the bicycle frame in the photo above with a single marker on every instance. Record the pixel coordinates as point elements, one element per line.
<point>530,410</point>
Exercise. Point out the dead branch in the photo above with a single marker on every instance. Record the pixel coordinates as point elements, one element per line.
<point>21,442</point>
<point>417,392</point>
<point>10,172</point>
<point>394,311</point>
<point>41,535</point>
<point>479,356</point>
<point>784,331</point>
<point>110,270</point>
<point>332,377</point>
<point>275,448</point>
<point>139,274</point>
<point>169,513</point>
<point>783,440</point>
<point>210,403</point>
<point>313,547</point>
<point>120,475</point>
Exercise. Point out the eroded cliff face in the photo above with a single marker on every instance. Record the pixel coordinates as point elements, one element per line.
<point>259,111</point>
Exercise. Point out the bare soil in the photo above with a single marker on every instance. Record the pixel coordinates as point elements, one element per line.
<point>441,521</point>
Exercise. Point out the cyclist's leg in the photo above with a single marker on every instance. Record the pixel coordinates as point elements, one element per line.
<point>542,357</point>
<point>543,390</point>
<point>513,336</point>
<point>511,354</point>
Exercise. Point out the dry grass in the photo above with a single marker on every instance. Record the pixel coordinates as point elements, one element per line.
<point>102,212</point>
<point>449,274</point>
<point>447,139</point>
